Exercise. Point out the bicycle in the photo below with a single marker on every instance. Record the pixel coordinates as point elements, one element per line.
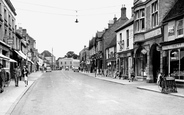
<point>166,84</point>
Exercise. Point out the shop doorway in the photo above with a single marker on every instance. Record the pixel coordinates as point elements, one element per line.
<point>155,61</point>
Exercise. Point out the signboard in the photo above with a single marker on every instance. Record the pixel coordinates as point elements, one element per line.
<point>173,46</point>
<point>153,33</point>
<point>171,26</point>
<point>10,42</point>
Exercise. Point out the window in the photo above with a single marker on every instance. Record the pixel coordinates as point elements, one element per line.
<point>140,20</point>
<point>61,63</point>
<point>5,18</point>
<point>180,27</point>
<point>154,14</point>
<point>127,33</point>
<point>120,36</point>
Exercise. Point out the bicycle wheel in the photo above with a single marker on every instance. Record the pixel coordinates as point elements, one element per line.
<point>159,85</point>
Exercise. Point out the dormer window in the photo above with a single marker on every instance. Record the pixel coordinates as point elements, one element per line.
<point>179,28</point>
<point>154,14</point>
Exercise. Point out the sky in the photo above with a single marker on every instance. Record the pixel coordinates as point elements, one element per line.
<point>52,22</point>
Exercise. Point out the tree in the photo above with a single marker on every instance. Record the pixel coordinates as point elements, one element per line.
<point>71,54</point>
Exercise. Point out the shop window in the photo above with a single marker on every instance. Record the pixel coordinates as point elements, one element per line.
<point>180,28</point>
<point>182,64</point>
<point>174,63</point>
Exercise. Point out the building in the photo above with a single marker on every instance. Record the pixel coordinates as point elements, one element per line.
<point>172,47</point>
<point>84,59</point>
<point>109,36</point>
<point>124,44</point>
<point>99,51</point>
<point>92,54</point>
<point>148,34</point>
<point>7,30</point>
<point>68,62</point>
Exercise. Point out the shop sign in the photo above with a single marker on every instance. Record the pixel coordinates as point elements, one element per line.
<point>171,28</point>
<point>153,33</point>
<point>174,46</point>
<point>10,42</point>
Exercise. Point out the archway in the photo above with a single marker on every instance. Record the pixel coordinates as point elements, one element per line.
<point>140,61</point>
<point>155,61</point>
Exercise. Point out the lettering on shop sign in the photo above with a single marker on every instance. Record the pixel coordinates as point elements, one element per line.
<point>180,45</point>
<point>153,33</point>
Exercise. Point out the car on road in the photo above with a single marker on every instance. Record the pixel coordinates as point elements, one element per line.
<point>76,69</point>
<point>48,69</point>
<point>67,68</point>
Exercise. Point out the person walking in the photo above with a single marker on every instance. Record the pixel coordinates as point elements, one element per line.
<point>25,75</point>
<point>2,78</point>
<point>16,76</point>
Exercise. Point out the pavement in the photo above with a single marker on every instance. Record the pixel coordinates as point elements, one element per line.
<point>142,85</point>
<point>11,95</point>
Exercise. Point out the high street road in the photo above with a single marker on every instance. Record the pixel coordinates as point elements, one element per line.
<point>73,93</point>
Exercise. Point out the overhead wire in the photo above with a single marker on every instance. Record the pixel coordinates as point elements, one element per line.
<point>74,10</point>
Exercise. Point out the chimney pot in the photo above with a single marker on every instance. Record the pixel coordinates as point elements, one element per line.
<point>123,12</point>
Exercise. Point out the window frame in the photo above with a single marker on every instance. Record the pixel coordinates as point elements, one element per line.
<point>177,23</point>
<point>154,14</point>
<point>139,19</point>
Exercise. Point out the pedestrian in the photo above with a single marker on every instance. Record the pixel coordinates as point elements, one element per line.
<point>2,78</point>
<point>16,76</point>
<point>25,75</point>
<point>132,75</point>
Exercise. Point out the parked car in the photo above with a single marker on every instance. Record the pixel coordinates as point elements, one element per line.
<point>67,68</point>
<point>76,69</point>
<point>48,69</point>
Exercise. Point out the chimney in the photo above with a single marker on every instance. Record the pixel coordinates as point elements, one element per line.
<point>123,12</point>
<point>111,22</point>
<point>115,19</point>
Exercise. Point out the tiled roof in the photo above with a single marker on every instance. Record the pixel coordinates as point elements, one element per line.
<point>127,23</point>
<point>176,11</point>
<point>112,43</point>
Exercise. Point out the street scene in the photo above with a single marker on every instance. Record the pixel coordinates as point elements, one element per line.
<point>91,57</point>
<point>72,93</point>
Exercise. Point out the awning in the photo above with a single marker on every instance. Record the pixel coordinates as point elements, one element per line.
<point>20,54</point>
<point>3,57</point>
<point>30,60</point>
<point>7,58</point>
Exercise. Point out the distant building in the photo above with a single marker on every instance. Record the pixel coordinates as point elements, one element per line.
<point>68,62</point>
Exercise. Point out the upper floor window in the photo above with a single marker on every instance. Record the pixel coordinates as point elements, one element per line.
<point>154,14</point>
<point>9,19</point>
<point>140,20</point>
<point>5,15</point>
<point>120,36</point>
<point>179,27</point>
<point>127,35</point>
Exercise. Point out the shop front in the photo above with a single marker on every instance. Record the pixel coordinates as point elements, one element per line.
<point>111,66</point>
<point>126,63</point>
<point>173,59</point>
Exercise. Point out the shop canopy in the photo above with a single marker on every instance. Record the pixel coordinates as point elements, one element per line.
<point>3,57</point>
<point>21,54</point>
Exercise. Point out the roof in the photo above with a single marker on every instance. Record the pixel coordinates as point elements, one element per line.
<point>176,11</point>
<point>127,23</point>
<point>112,43</point>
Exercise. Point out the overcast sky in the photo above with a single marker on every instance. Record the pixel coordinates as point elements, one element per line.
<point>52,22</point>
